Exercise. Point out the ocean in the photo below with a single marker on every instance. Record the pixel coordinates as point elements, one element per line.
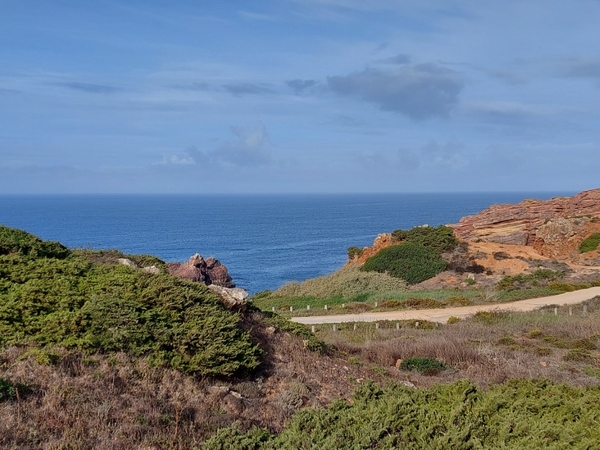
<point>264,240</point>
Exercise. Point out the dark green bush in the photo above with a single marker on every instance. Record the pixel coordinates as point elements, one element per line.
<point>21,242</point>
<point>422,365</point>
<point>439,239</point>
<point>411,262</point>
<point>590,244</point>
<point>7,390</point>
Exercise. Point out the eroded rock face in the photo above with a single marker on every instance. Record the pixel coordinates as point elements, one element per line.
<point>382,241</point>
<point>553,227</point>
<point>209,271</point>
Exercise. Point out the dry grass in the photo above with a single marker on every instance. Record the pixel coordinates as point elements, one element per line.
<point>562,348</point>
<point>119,402</point>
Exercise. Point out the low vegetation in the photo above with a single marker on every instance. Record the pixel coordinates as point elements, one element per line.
<point>347,282</point>
<point>525,414</point>
<point>590,244</point>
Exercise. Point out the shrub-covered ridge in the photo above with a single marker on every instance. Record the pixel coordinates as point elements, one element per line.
<point>105,307</point>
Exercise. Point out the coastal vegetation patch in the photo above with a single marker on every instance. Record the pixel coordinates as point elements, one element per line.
<point>526,414</point>
<point>590,244</point>
<point>50,296</point>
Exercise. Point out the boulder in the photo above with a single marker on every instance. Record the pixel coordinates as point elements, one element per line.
<point>209,271</point>
<point>234,298</point>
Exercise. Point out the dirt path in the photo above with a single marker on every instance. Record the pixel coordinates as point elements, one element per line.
<point>442,315</point>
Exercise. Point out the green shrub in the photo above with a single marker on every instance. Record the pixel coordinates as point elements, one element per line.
<point>439,239</point>
<point>354,252</point>
<point>590,244</point>
<point>520,281</point>
<point>490,317</point>
<point>7,390</point>
<point>411,262</point>
<point>423,365</point>
<point>453,319</point>
<point>13,240</point>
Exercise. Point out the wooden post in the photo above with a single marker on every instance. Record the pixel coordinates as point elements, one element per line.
<point>312,328</point>
<point>334,327</point>
<point>273,308</point>
<point>377,325</point>
<point>325,307</point>
<point>376,304</point>
<point>291,309</point>
<point>417,324</point>
<point>570,310</point>
<point>308,307</point>
<point>343,305</point>
<point>397,325</point>
<point>555,311</point>
<point>355,327</point>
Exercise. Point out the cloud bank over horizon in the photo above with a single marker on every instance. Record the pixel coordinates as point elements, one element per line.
<point>299,96</point>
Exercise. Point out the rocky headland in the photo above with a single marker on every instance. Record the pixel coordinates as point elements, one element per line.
<point>508,239</point>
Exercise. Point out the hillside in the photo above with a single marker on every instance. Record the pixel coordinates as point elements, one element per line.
<point>97,354</point>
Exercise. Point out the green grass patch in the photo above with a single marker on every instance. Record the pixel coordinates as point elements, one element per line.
<point>590,244</point>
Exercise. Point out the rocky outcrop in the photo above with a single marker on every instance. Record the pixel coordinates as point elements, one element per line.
<point>382,241</point>
<point>234,298</point>
<point>554,227</point>
<point>208,271</point>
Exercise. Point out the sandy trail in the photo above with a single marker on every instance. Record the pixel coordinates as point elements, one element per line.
<point>442,315</point>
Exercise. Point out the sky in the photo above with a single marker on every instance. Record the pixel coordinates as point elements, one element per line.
<point>294,96</point>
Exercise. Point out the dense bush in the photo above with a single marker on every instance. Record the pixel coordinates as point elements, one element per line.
<point>525,415</point>
<point>590,244</point>
<point>411,262</point>
<point>21,242</point>
<point>102,307</point>
<point>439,239</point>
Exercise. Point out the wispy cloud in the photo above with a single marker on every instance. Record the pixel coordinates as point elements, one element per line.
<point>91,88</point>
<point>240,89</point>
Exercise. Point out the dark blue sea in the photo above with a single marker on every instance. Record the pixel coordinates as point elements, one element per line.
<point>264,240</point>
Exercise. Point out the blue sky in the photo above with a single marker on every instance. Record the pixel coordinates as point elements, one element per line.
<point>299,96</point>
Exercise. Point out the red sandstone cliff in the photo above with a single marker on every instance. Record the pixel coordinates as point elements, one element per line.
<point>554,227</point>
